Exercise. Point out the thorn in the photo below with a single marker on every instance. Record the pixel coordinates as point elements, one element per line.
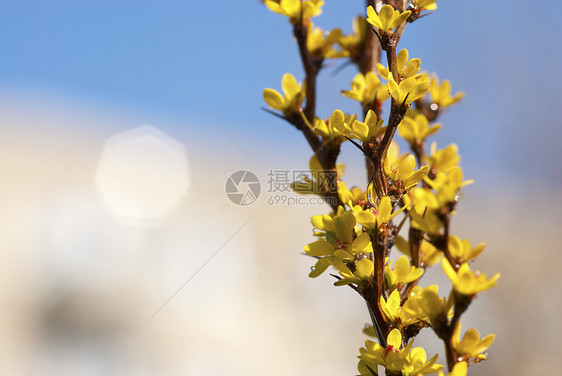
<point>371,370</point>
<point>341,67</point>
<point>405,99</point>
<point>273,113</point>
<point>355,143</point>
<point>377,34</point>
<point>425,14</point>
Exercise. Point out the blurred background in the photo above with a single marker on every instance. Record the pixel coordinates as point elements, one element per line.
<point>120,123</point>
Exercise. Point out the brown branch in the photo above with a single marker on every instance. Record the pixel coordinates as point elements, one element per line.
<point>397,112</point>
<point>326,152</point>
<point>311,65</point>
<point>369,58</point>
<point>446,330</point>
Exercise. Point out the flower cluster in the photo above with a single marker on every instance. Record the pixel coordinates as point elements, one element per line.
<point>410,199</point>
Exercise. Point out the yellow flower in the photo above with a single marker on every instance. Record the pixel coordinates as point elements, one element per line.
<point>404,174</point>
<point>428,306</point>
<point>395,313</point>
<point>405,68</point>
<point>352,197</point>
<point>459,369</point>
<point>444,159</point>
<point>429,255</point>
<point>462,251</point>
<point>293,95</point>
<point>390,357</point>
<point>420,5</point>
<point>373,218</point>
<point>397,359</point>
<point>447,184</point>
<point>339,227</point>
<point>353,43</point>
<point>409,90</point>
<point>415,128</point>
<point>471,346</point>
<point>320,44</point>
<point>367,131</point>
<point>340,244</point>
<point>465,281</point>
<point>441,94</point>
<point>423,207</point>
<point>418,360</point>
<point>403,273</point>
<point>387,19</point>
<point>366,89</point>
<point>362,276</point>
<point>296,10</point>
<point>452,177</point>
<point>334,128</point>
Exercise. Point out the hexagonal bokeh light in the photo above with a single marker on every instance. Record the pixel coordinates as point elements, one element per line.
<point>143,173</point>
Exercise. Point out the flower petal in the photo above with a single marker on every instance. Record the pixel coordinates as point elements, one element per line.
<point>289,85</point>
<point>319,248</point>
<point>385,209</point>
<point>394,339</point>
<point>274,99</point>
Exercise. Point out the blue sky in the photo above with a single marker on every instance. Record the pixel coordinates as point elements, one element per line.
<point>506,57</point>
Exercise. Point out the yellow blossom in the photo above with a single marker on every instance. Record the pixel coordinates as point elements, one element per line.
<point>390,357</point>
<point>471,346</point>
<point>366,131</point>
<point>353,43</point>
<point>406,68</point>
<point>441,94</point>
<point>296,10</point>
<point>447,184</point>
<point>444,159</point>
<point>465,281</point>
<point>453,177</point>
<point>423,207</point>
<point>366,89</point>
<point>403,273</point>
<point>340,244</point>
<point>362,276</point>
<point>373,218</point>
<point>408,90</point>
<point>420,365</point>
<point>395,313</point>
<point>459,369</point>
<point>387,19</point>
<point>293,95</point>
<point>415,128</point>
<point>421,5</point>
<point>462,250</point>
<point>352,197</point>
<point>428,306</point>
<point>405,171</point>
<point>321,44</point>
<point>333,129</point>
<point>398,359</point>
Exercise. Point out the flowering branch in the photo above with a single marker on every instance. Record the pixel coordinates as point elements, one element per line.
<point>356,239</point>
